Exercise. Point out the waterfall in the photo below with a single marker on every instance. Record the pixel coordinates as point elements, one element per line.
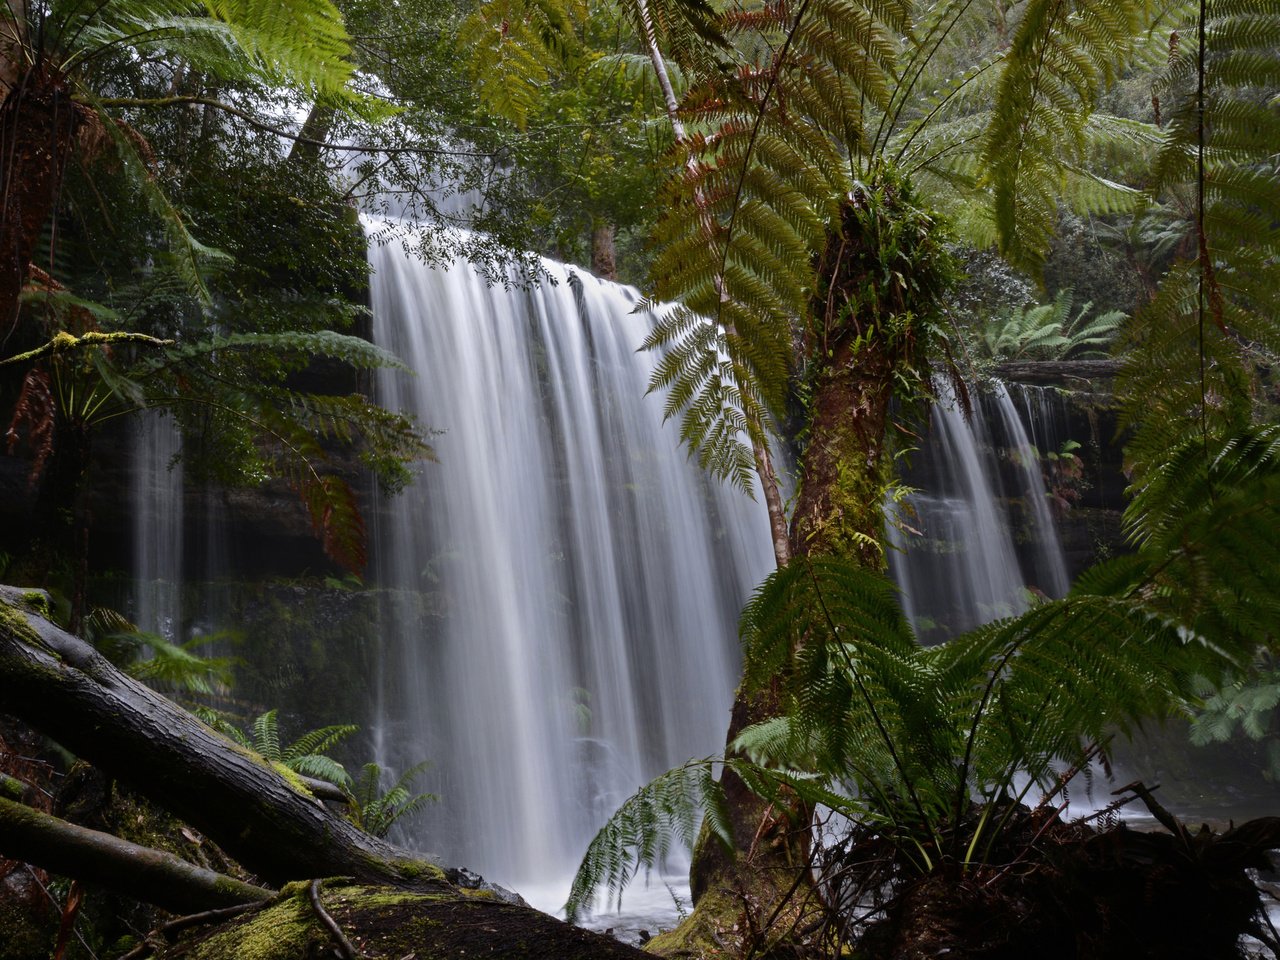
<point>565,583</point>
<point>977,540</point>
<point>156,507</point>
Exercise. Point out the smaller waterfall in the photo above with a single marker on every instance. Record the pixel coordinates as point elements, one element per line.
<point>977,540</point>
<point>157,510</point>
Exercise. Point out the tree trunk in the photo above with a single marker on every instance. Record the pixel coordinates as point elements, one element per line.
<point>315,130</point>
<point>13,39</point>
<point>856,349</point>
<point>38,123</point>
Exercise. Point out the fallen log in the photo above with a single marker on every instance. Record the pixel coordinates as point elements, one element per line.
<point>151,876</point>
<point>63,687</point>
<point>1058,372</point>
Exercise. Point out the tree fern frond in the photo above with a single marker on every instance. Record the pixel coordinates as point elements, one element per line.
<point>319,768</point>
<point>177,665</point>
<point>640,834</point>
<point>1061,56</point>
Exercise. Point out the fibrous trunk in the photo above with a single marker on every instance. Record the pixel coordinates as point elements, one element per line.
<point>858,345</point>
<point>38,124</point>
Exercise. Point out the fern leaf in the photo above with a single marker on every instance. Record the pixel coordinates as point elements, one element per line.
<point>640,834</point>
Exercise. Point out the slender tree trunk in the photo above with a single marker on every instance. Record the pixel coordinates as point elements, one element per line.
<point>316,127</point>
<point>759,447</point>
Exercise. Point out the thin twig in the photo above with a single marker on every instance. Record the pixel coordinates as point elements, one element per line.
<point>58,907</point>
<point>179,924</point>
<point>342,944</point>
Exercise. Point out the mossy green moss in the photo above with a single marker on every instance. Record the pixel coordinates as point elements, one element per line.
<point>37,601</point>
<point>286,930</point>
<point>712,930</point>
<point>15,620</point>
<point>386,923</point>
<point>742,914</point>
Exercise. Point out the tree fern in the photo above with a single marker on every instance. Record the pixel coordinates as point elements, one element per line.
<point>828,99</point>
<point>1192,355</point>
<point>302,42</point>
<point>640,834</point>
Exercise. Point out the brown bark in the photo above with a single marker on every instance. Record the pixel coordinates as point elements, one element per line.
<point>13,39</point>
<point>38,124</point>
<point>151,876</point>
<point>843,469</point>
<point>604,257</point>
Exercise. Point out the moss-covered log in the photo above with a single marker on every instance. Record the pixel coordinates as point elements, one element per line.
<point>385,924</point>
<point>151,876</point>
<point>63,687</point>
<point>59,684</point>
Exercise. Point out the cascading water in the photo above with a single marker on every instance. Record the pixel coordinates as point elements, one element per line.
<point>978,537</point>
<point>157,526</point>
<point>567,582</point>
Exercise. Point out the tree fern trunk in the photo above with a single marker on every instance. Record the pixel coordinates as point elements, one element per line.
<point>604,255</point>
<point>38,122</point>
<point>859,345</point>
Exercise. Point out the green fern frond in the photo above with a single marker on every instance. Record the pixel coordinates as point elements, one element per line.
<point>266,735</point>
<point>179,666</point>
<point>319,768</point>
<point>218,722</point>
<point>298,42</point>
<point>301,346</point>
<point>640,834</point>
<point>1062,55</point>
<point>374,810</point>
<point>316,741</point>
<point>1192,355</point>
